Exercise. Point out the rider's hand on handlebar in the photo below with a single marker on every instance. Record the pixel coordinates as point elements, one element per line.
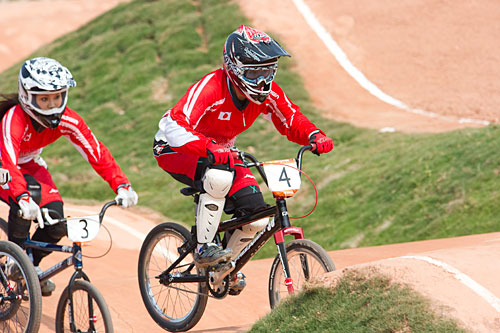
<point>29,209</point>
<point>323,143</point>
<point>4,176</point>
<point>218,154</point>
<point>126,196</point>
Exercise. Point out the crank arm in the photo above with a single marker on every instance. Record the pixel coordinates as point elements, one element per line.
<point>222,272</point>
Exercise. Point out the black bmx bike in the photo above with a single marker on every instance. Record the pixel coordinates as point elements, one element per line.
<point>175,291</point>
<point>81,306</point>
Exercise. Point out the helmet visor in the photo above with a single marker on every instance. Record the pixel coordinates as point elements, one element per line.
<point>35,101</point>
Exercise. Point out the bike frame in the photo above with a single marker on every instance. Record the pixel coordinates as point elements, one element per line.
<point>74,260</point>
<point>279,226</point>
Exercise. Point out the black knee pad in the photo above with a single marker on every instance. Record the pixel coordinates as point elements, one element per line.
<point>18,228</point>
<point>245,201</point>
<point>56,231</point>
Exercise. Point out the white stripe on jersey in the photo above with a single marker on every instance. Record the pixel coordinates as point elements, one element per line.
<point>98,145</point>
<point>71,120</point>
<point>194,94</point>
<point>80,149</point>
<point>175,135</point>
<point>291,108</point>
<point>79,137</point>
<point>7,138</point>
<point>278,113</point>
<point>190,95</point>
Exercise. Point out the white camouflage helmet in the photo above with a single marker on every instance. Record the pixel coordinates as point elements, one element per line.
<point>44,76</point>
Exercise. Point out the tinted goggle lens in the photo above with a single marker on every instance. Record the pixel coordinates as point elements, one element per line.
<point>255,73</point>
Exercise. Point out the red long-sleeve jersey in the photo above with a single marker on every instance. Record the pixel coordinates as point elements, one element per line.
<point>206,112</point>
<point>20,143</point>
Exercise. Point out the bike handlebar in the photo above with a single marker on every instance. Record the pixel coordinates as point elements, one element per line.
<point>255,163</point>
<point>48,220</point>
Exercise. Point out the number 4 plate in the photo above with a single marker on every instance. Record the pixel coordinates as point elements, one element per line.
<point>83,229</point>
<point>283,177</point>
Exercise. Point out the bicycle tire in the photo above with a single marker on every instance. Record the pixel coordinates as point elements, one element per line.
<point>82,292</point>
<point>171,308</point>
<point>319,262</point>
<point>4,227</point>
<point>24,314</point>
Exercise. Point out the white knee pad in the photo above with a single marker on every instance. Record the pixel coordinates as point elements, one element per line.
<point>216,183</point>
<point>241,237</point>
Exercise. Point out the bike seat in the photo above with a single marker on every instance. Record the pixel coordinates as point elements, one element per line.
<point>189,191</point>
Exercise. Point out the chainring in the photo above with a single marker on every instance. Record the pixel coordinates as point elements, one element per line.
<point>219,291</point>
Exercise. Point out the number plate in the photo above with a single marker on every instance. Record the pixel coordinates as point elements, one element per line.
<point>83,229</point>
<point>283,177</point>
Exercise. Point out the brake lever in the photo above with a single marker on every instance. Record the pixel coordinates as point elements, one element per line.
<point>48,219</point>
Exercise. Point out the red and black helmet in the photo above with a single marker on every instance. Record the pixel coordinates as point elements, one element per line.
<point>251,61</point>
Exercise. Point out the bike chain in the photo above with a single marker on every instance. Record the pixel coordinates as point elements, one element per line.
<point>192,292</point>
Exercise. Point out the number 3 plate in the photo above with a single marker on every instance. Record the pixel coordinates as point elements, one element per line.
<point>283,177</point>
<point>83,229</point>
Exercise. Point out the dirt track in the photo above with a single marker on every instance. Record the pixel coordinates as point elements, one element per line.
<point>440,73</point>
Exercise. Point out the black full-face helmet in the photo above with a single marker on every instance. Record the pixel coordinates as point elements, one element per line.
<point>44,76</point>
<point>251,60</point>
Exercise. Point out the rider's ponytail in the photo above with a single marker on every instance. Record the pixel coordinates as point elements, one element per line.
<point>6,102</point>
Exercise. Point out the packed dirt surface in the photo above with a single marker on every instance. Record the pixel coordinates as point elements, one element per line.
<point>26,25</point>
<point>438,57</point>
<point>115,275</point>
<point>441,58</point>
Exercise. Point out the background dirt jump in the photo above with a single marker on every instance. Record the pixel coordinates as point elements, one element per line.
<point>439,57</point>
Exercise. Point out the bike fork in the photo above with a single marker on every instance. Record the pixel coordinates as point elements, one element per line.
<point>279,239</point>
<point>284,264</point>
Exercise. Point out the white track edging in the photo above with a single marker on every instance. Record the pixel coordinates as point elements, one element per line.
<point>342,59</point>
<point>463,278</point>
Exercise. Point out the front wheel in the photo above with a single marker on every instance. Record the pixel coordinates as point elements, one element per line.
<point>91,314</point>
<point>175,306</point>
<point>20,294</point>
<point>306,259</point>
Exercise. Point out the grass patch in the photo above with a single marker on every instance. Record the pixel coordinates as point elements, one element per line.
<point>358,303</point>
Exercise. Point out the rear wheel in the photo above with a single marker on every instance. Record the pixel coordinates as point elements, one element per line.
<point>306,259</point>
<point>3,229</point>
<point>90,311</point>
<point>174,306</point>
<point>20,294</point>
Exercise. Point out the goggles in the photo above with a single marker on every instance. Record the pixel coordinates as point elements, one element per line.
<point>256,74</point>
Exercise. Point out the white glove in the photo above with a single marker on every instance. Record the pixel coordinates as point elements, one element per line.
<point>4,176</point>
<point>30,210</point>
<point>127,196</point>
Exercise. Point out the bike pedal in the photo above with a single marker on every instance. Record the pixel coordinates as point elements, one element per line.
<point>46,293</point>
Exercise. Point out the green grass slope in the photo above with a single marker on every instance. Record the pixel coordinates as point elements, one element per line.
<point>134,62</point>
<point>358,303</point>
